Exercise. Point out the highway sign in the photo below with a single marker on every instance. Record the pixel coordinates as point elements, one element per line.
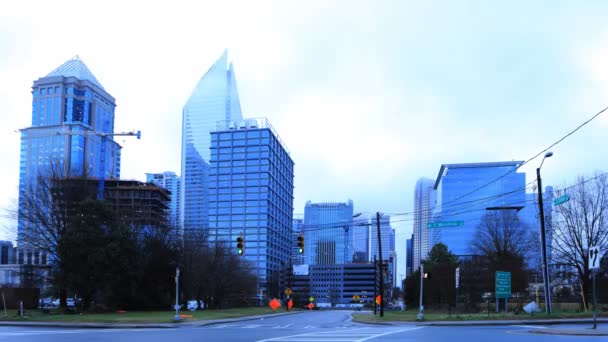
<point>288,291</point>
<point>561,200</point>
<point>594,258</point>
<point>445,224</point>
<point>503,284</point>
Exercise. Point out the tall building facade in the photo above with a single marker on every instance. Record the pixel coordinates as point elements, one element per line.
<point>424,202</point>
<point>171,182</point>
<point>385,234</point>
<point>328,233</point>
<point>409,257</point>
<point>465,192</point>
<point>214,99</point>
<point>70,112</point>
<point>251,194</point>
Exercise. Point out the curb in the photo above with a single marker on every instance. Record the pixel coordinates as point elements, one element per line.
<point>511,322</point>
<point>199,323</point>
<point>569,332</point>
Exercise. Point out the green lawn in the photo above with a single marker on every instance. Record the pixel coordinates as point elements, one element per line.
<point>136,316</point>
<point>410,316</point>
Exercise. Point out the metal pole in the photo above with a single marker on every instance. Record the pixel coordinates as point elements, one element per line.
<point>594,303</point>
<point>420,308</point>
<point>177,317</point>
<point>375,281</point>
<point>381,265</point>
<point>457,302</point>
<point>543,242</point>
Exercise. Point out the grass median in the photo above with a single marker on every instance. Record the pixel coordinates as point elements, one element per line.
<point>136,316</point>
<point>410,316</point>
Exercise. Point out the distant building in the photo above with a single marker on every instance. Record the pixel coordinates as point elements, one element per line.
<point>424,204</point>
<point>215,98</point>
<point>465,192</point>
<point>70,109</point>
<point>328,232</point>
<point>251,193</point>
<point>409,260</point>
<point>385,231</point>
<point>171,182</point>
<point>337,283</point>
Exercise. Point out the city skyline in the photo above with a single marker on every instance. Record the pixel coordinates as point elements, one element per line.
<point>368,98</point>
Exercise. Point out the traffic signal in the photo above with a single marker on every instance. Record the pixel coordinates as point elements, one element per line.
<point>301,244</point>
<point>240,245</point>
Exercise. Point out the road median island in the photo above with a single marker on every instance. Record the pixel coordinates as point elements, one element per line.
<point>136,319</point>
<point>446,319</point>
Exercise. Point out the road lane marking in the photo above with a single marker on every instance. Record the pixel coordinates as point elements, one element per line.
<point>530,326</point>
<point>297,336</point>
<point>387,333</point>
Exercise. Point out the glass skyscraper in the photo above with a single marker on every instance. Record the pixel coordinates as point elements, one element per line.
<point>69,107</point>
<point>424,202</point>
<point>171,182</point>
<point>214,99</point>
<point>251,193</point>
<point>328,233</point>
<point>465,192</point>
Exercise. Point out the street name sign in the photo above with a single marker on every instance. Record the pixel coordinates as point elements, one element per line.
<point>562,199</point>
<point>445,224</point>
<point>503,284</point>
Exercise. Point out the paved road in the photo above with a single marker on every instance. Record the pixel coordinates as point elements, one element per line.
<point>310,326</point>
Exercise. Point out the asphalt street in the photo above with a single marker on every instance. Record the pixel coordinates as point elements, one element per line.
<point>309,326</point>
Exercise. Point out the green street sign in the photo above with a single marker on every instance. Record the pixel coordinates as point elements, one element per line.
<point>562,199</point>
<point>445,224</point>
<point>503,284</point>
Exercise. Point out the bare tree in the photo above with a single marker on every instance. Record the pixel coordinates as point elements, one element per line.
<point>502,234</point>
<point>580,223</point>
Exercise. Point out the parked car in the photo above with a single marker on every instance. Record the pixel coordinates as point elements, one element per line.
<point>47,302</point>
<point>192,305</point>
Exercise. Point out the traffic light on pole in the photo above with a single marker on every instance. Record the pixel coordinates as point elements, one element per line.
<point>240,245</point>
<point>301,244</point>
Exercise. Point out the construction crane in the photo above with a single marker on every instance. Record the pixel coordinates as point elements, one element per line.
<point>102,161</point>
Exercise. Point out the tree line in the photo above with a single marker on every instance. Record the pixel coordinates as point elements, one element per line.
<point>111,260</point>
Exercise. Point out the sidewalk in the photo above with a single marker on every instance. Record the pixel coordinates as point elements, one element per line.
<point>198,323</point>
<point>572,332</point>
<point>514,322</point>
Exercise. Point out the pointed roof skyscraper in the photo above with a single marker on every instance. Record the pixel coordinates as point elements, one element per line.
<point>75,67</point>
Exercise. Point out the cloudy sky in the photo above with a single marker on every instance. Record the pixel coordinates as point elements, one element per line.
<point>369,96</point>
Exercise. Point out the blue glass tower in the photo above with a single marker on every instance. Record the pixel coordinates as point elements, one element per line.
<point>214,99</point>
<point>328,233</point>
<point>458,213</point>
<point>251,193</point>
<point>69,106</point>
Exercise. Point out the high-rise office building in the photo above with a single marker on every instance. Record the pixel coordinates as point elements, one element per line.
<point>385,234</point>
<point>214,99</point>
<point>69,110</point>
<point>424,202</point>
<point>465,192</point>
<point>409,252</point>
<point>328,232</point>
<point>251,194</point>
<point>171,182</point>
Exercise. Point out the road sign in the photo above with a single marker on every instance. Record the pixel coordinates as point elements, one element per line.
<point>503,284</point>
<point>311,299</point>
<point>356,298</point>
<point>594,257</point>
<point>562,199</point>
<point>274,304</point>
<point>445,224</point>
<point>457,276</point>
<point>288,291</point>
<point>378,299</point>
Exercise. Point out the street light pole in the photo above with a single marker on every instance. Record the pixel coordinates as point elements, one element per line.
<point>543,239</point>
<point>177,317</point>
